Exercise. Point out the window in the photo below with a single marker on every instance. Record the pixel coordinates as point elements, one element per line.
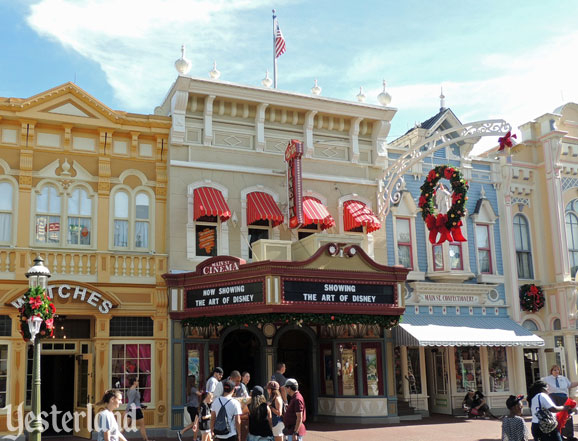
<point>530,325</point>
<point>131,361</point>
<point>258,232</point>
<point>523,252</point>
<point>3,375</point>
<point>327,369</point>
<point>131,327</point>
<point>5,326</point>
<point>438,257</point>
<point>468,370</point>
<point>79,218</point>
<point>484,251</point>
<point>372,369</point>
<point>308,230</point>
<point>572,235</point>
<point>413,371</point>
<point>403,237</point>
<point>456,262</point>
<point>48,206</point>
<point>132,220</point>
<point>6,207</point>
<point>206,237</point>
<point>347,369</point>
<point>498,365</point>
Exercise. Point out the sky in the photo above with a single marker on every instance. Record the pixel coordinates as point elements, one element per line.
<point>514,60</point>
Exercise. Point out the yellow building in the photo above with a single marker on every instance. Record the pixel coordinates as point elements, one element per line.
<point>84,187</point>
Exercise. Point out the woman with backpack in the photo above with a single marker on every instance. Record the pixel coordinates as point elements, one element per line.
<point>540,403</point>
<point>276,405</point>
<point>259,416</point>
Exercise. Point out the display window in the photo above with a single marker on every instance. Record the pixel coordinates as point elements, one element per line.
<point>468,369</point>
<point>372,369</point>
<point>498,366</point>
<point>195,365</point>
<point>327,369</point>
<point>130,360</point>
<point>413,371</point>
<point>347,369</point>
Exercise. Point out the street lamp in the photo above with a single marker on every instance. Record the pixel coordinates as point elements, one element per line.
<point>37,276</point>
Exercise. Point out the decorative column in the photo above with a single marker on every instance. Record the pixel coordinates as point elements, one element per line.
<point>404,375</point>
<point>208,120</point>
<point>570,346</point>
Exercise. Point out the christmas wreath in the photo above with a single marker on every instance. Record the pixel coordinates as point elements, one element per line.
<point>37,304</point>
<point>531,298</point>
<point>448,225</point>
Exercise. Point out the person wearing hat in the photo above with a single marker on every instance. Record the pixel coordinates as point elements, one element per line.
<point>276,404</point>
<point>539,399</point>
<point>513,425</point>
<point>214,383</point>
<point>295,414</point>
<point>260,425</point>
<point>233,410</point>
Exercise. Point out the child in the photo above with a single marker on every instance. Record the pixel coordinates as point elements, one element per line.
<point>513,426</point>
<point>202,419</point>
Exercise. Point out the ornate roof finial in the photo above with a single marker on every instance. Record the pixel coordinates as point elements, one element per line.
<point>316,90</point>
<point>361,96</point>
<point>183,65</point>
<point>442,100</point>
<point>214,74</point>
<point>482,193</point>
<point>384,98</point>
<point>267,82</point>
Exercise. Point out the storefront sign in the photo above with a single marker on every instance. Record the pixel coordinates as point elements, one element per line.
<point>73,292</point>
<point>330,292</point>
<point>444,299</point>
<point>225,295</point>
<point>293,155</point>
<point>220,264</point>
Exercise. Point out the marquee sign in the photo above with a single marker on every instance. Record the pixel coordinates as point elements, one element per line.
<point>293,155</point>
<point>331,292</point>
<point>219,264</point>
<point>226,294</point>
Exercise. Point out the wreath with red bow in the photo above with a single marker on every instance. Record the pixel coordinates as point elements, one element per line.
<point>531,298</point>
<point>447,225</point>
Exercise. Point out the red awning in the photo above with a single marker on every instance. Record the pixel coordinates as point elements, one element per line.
<point>262,206</point>
<point>314,212</point>
<point>209,201</point>
<point>357,214</point>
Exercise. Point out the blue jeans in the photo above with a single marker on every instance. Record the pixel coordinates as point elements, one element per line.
<point>538,435</point>
<point>297,438</point>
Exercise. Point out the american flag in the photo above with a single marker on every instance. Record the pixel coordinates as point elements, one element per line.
<point>279,41</point>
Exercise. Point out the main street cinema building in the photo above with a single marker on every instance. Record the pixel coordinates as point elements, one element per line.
<point>247,291</point>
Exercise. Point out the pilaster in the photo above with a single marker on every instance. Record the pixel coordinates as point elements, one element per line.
<point>208,120</point>
<point>178,113</point>
<point>354,140</point>
<point>260,127</point>
<point>308,146</point>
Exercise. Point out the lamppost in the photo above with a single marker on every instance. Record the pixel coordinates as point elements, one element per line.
<point>37,275</point>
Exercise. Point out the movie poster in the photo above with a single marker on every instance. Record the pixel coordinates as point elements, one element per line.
<point>348,371</point>
<point>371,372</point>
<point>193,363</point>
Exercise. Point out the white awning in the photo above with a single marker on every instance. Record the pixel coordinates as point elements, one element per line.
<point>427,330</point>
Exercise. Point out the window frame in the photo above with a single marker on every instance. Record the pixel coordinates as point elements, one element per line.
<point>404,244</point>
<point>246,252</point>
<point>8,344</point>
<point>10,212</point>
<point>480,248</point>
<point>132,219</point>
<point>572,252</point>
<point>525,252</point>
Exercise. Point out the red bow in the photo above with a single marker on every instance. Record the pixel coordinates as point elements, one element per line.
<point>457,233</point>
<point>437,224</point>
<point>506,141</point>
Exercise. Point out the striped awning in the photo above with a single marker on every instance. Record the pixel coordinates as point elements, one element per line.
<point>262,206</point>
<point>314,212</point>
<point>427,330</point>
<point>356,214</point>
<point>209,201</point>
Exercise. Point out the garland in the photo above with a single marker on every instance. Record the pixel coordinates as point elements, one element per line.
<point>447,225</point>
<point>531,298</point>
<point>387,321</point>
<point>37,303</point>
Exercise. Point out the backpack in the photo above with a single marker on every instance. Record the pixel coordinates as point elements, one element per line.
<point>222,426</point>
<point>546,420</point>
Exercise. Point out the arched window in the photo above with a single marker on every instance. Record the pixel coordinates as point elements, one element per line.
<point>6,207</point>
<point>79,218</point>
<point>572,235</point>
<point>556,325</point>
<point>523,250</point>
<point>530,325</point>
<point>121,219</point>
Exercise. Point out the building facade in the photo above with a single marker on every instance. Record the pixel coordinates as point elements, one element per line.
<point>84,187</point>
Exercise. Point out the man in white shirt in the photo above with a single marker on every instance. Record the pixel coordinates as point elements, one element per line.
<point>233,409</point>
<point>214,383</point>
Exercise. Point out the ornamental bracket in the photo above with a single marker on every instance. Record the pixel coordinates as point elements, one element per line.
<point>391,180</point>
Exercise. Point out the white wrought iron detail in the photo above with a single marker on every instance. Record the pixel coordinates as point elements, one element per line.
<point>391,180</point>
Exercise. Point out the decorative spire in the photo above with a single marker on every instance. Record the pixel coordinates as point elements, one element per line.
<point>183,65</point>
<point>482,193</point>
<point>361,96</point>
<point>267,82</point>
<point>442,100</point>
<point>214,74</point>
<point>316,90</point>
<point>384,98</point>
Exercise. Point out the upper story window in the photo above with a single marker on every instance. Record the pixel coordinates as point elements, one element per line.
<point>455,252</point>
<point>572,235</point>
<point>316,217</point>
<point>358,217</point>
<point>404,242</point>
<point>523,249</point>
<point>63,220</point>
<point>6,208</point>
<point>484,248</point>
<point>132,220</point>
<point>263,214</point>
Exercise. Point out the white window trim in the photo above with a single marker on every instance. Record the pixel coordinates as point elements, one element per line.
<point>132,193</point>
<point>565,245</point>
<point>534,275</point>
<point>222,227</point>
<point>408,209</point>
<point>486,216</point>
<point>13,224</point>
<point>64,195</point>
<point>274,233</point>
<point>4,410</point>
<point>124,341</point>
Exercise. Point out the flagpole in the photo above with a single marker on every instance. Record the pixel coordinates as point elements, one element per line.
<point>274,57</point>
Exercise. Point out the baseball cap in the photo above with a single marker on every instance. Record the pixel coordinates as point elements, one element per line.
<point>256,391</point>
<point>273,385</point>
<point>218,370</point>
<point>513,400</point>
<point>228,386</point>
<point>291,382</point>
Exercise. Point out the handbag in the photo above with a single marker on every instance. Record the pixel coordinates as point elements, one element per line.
<point>546,420</point>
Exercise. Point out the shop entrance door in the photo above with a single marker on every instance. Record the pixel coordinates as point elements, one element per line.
<point>293,349</point>
<point>438,380</point>
<point>84,395</point>
<point>242,352</point>
<point>57,392</point>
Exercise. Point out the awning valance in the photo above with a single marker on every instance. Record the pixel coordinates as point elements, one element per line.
<point>209,201</point>
<point>356,214</point>
<point>262,206</point>
<point>314,212</point>
<point>427,330</point>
